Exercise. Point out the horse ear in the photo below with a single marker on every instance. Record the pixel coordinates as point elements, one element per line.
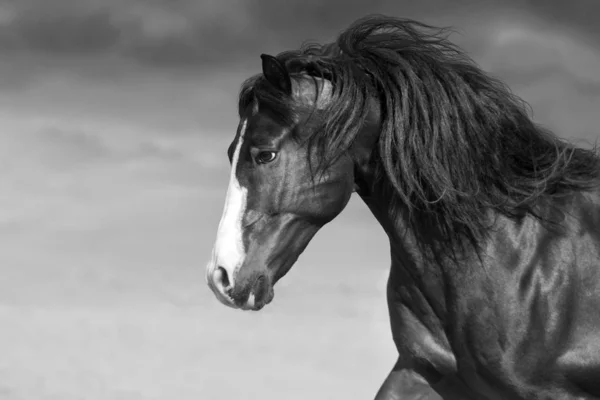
<point>275,72</point>
<point>313,91</point>
<point>324,93</point>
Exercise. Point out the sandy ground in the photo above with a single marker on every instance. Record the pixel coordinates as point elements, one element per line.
<point>86,327</point>
<point>161,351</point>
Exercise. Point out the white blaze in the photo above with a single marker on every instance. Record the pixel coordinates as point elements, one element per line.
<point>229,252</point>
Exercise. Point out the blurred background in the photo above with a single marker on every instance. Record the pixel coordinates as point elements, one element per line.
<point>115,117</point>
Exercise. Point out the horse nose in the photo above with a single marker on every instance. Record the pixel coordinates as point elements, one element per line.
<point>220,282</point>
<point>221,278</point>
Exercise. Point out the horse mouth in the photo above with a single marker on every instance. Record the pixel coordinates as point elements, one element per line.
<point>252,304</point>
<point>253,298</point>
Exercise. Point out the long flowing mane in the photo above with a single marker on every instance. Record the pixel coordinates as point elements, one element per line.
<point>455,142</point>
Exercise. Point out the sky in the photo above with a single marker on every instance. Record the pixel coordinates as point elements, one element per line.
<point>116,116</point>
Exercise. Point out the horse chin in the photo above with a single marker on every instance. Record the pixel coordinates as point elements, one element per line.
<point>256,305</point>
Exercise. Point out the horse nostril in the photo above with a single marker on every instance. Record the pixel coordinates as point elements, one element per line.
<point>221,277</point>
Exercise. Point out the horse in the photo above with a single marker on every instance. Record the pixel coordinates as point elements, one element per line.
<point>493,221</point>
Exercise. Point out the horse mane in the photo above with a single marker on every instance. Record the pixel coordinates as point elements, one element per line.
<point>454,142</point>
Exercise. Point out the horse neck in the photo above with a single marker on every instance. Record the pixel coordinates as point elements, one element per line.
<point>394,222</point>
<point>411,274</point>
<point>408,265</point>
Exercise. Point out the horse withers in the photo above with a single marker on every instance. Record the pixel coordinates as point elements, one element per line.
<point>493,222</point>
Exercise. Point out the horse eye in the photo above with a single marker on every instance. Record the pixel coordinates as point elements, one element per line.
<point>265,157</point>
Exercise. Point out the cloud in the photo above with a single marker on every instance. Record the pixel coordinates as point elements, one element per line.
<point>64,33</point>
<point>552,70</point>
<point>59,176</point>
<point>579,16</point>
<point>155,32</point>
<point>527,50</point>
<point>201,34</point>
